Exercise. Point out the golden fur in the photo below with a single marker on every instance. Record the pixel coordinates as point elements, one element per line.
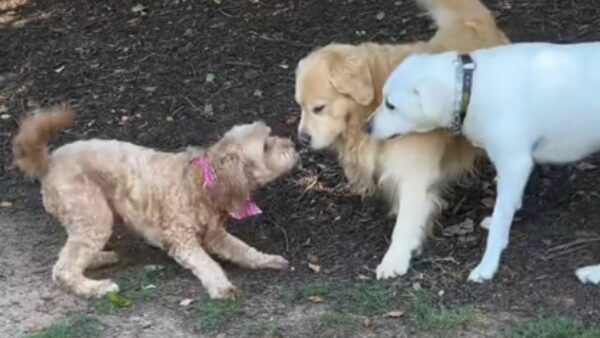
<point>339,86</point>
<point>88,185</point>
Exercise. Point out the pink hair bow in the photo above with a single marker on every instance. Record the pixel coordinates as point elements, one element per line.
<point>210,180</point>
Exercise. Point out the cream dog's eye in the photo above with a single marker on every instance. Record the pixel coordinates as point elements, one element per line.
<point>389,106</point>
<point>266,147</point>
<point>318,109</point>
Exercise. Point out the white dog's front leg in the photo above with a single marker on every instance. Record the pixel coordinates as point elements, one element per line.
<point>513,172</point>
<point>415,211</point>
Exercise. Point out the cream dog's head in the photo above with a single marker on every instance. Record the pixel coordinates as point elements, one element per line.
<point>331,84</point>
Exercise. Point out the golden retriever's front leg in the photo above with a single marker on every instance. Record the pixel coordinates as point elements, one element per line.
<point>417,206</point>
<point>191,256</point>
<point>229,247</point>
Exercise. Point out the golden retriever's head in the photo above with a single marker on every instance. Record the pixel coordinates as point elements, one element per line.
<point>331,84</point>
<point>248,157</point>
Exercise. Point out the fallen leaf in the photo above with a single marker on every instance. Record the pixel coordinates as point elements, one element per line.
<point>169,119</point>
<point>463,228</point>
<point>59,69</point>
<point>6,204</point>
<point>3,108</point>
<point>394,314</point>
<point>118,300</point>
<point>380,16</point>
<point>150,89</point>
<point>363,277</point>
<point>314,267</point>
<point>367,322</point>
<point>186,302</point>
<point>138,8</point>
<point>149,287</point>
<point>210,77</point>
<point>258,93</point>
<point>316,299</point>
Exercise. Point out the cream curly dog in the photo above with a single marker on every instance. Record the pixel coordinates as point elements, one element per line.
<point>179,202</point>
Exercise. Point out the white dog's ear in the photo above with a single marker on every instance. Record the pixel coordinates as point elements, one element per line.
<point>352,76</point>
<point>433,98</point>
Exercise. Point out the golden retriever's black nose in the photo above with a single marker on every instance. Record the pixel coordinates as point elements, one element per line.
<point>367,128</point>
<point>304,138</point>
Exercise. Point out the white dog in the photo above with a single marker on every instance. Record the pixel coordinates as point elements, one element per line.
<point>530,103</point>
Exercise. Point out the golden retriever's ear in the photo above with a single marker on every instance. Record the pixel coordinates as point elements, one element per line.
<point>352,77</point>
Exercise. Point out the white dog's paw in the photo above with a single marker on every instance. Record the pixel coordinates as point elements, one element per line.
<point>485,223</point>
<point>589,274</point>
<point>393,266</point>
<point>482,273</point>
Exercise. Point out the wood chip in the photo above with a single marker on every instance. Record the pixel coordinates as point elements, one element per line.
<point>314,267</point>
<point>186,302</point>
<point>394,314</point>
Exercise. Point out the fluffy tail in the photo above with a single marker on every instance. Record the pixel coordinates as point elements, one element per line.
<point>447,12</point>
<point>30,146</point>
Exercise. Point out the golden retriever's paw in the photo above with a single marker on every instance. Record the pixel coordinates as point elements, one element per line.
<point>589,274</point>
<point>392,266</point>
<point>275,262</point>
<point>225,292</point>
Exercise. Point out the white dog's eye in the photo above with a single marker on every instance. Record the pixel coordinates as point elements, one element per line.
<point>318,109</point>
<point>389,106</point>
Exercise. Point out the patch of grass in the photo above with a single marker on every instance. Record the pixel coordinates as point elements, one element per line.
<point>339,322</point>
<point>553,328</point>
<point>302,293</point>
<point>368,300</point>
<point>429,316</point>
<point>137,287</point>
<point>263,330</point>
<point>74,327</point>
<point>214,313</point>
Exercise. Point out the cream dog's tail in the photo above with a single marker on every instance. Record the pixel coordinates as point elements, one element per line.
<point>30,146</point>
<point>447,12</point>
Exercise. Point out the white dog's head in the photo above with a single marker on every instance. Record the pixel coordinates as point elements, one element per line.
<point>417,97</point>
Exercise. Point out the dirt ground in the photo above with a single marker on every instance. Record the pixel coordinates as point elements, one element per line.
<point>170,73</point>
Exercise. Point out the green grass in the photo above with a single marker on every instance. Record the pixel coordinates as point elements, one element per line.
<point>262,330</point>
<point>134,288</point>
<point>74,327</point>
<point>339,322</point>
<point>302,293</point>
<point>215,313</point>
<point>432,317</point>
<point>368,300</point>
<point>553,328</point>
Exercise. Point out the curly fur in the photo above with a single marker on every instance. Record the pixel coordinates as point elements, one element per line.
<point>88,185</point>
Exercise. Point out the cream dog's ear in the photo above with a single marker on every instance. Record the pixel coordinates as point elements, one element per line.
<point>352,76</point>
<point>234,182</point>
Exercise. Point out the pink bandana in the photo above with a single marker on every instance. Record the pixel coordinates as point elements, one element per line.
<point>210,180</point>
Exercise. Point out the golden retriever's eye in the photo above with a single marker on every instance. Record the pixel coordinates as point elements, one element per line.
<point>389,106</point>
<point>318,109</point>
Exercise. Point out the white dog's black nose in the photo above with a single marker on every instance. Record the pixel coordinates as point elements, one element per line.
<point>304,138</point>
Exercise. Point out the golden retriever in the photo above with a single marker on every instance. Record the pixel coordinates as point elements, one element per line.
<point>339,86</point>
<point>179,202</point>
